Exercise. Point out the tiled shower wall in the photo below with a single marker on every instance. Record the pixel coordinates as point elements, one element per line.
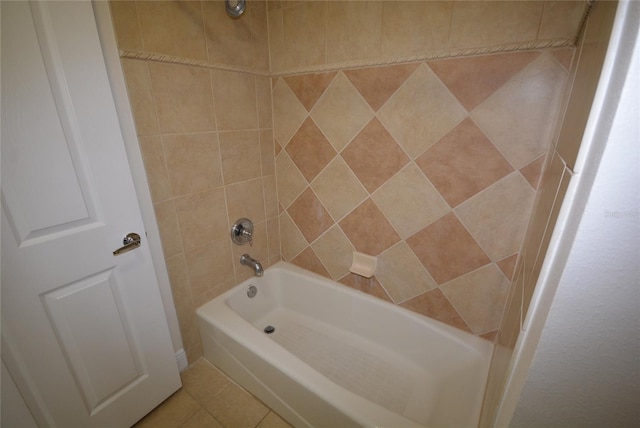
<point>206,139</point>
<point>305,34</point>
<point>199,87</point>
<point>429,166</point>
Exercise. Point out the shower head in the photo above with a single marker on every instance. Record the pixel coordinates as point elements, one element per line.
<point>235,8</point>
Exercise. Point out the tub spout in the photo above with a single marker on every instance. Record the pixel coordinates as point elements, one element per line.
<point>247,260</point>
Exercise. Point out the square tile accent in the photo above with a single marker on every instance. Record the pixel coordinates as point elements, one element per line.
<point>310,150</point>
<point>462,163</point>
<point>401,273</point>
<point>374,156</point>
<point>368,229</point>
<point>338,188</point>
<point>507,265</point>
<point>479,298</point>
<point>376,85</point>
<point>309,87</point>
<point>421,112</point>
<point>434,304</point>
<point>447,250</point>
<point>240,154</point>
<point>329,112</point>
<point>193,162</point>
<point>473,79</point>
<point>311,217</point>
<point>410,201</point>
<point>497,217</point>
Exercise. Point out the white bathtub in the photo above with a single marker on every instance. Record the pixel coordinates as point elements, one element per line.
<point>341,358</point>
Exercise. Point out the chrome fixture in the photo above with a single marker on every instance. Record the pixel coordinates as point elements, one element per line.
<point>242,231</point>
<point>130,242</point>
<point>247,260</point>
<point>235,8</point>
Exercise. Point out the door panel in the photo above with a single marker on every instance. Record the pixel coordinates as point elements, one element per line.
<point>87,328</point>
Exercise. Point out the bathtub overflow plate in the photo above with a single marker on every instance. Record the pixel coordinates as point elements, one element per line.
<point>252,291</point>
<point>269,329</point>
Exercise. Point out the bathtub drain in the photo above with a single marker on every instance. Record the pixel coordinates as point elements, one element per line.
<point>269,329</point>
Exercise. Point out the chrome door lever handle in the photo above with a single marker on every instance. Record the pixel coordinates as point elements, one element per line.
<point>131,242</point>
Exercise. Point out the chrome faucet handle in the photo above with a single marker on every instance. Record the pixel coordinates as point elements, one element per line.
<point>242,232</point>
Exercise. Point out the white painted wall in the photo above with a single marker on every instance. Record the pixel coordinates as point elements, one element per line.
<point>586,370</point>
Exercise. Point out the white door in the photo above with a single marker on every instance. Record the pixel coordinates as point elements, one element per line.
<point>83,331</point>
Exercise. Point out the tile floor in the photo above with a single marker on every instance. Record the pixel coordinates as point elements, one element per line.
<point>209,399</point>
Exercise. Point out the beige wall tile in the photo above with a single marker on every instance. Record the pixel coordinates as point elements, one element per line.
<point>270,196</point>
<point>401,273</point>
<point>353,30</point>
<point>125,24</point>
<point>267,150</point>
<point>341,96</point>
<point>309,260</point>
<point>288,112</point>
<point>172,28</point>
<point>168,227</point>
<point>479,297</point>
<point>308,88</point>
<point>259,35</point>
<point>305,34</point>
<point>140,97</point>
<point>292,241</point>
<point>240,154</point>
<point>213,292</point>
<point>193,162</point>
<point>183,98</point>
<point>374,156</point>
<point>229,41</point>
<point>335,251</point>
<point>155,167</point>
<point>290,181</point>
<point>561,19</point>
<point>276,39</point>
<point>309,215</point>
<point>368,229</point>
<point>410,201</point>
<point>263,98</point>
<point>338,188</point>
<point>434,304</point>
<point>421,112</point>
<point>246,199</point>
<point>497,217</point>
<point>235,100</point>
<point>414,27</point>
<point>202,217</point>
<point>490,23</point>
<point>273,235</point>
<point>209,265</point>
<point>179,278</point>
<point>519,117</point>
<point>310,150</point>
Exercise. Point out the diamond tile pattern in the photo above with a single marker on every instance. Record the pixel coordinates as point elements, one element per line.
<point>374,156</point>
<point>429,166</point>
<point>310,150</point>
<point>309,87</point>
<point>476,164</point>
<point>310,215</point>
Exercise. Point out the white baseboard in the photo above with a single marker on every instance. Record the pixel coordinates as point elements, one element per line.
<point>181,359</point>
